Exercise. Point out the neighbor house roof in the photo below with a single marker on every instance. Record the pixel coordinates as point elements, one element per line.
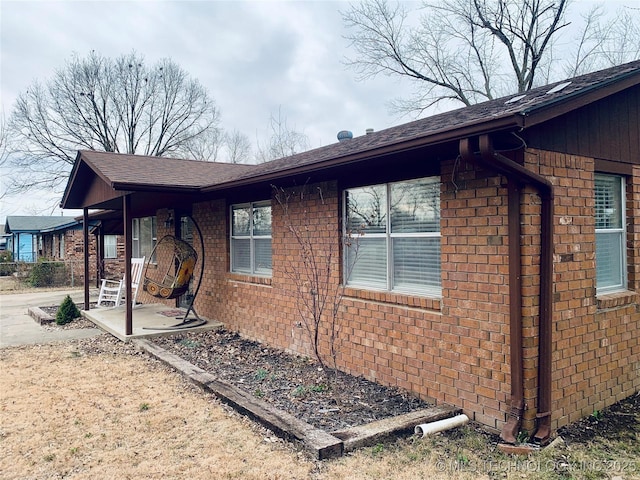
<point>37,224</point>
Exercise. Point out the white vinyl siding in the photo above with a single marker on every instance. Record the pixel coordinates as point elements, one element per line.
<point>393,233</point>
<point>251,238</point>
<point>611,265</point>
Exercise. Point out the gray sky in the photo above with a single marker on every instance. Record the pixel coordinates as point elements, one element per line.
<point>253,56</point>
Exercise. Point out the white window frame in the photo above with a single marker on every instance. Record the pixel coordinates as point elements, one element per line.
<point>253,268</point>
<point>61,246</point>
<point>136,250</point>
<point>110,246</point>
<point>389,236</point>
<point>620,233</point>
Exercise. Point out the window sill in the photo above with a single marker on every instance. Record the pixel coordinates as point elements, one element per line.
<point>244,278</point>
<point>403,299</point>
<point>617,299</point>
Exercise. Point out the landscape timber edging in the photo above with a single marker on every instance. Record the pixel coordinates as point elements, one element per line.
<point>378,431</point>
<point>40,316</point>
<point>320,443</point>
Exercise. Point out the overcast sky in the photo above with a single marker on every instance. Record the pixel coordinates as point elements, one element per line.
<point>254,57</point>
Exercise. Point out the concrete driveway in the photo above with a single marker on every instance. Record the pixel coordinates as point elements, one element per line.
<point>18,328</point>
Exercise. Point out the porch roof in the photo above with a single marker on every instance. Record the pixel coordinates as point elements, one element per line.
<point>100,179</point>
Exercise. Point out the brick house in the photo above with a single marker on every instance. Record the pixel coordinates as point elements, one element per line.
<point>30,237</point>
<point>487,257</point>
<point>60,238</point>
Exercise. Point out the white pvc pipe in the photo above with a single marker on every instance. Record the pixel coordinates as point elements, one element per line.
<point>441,425</point>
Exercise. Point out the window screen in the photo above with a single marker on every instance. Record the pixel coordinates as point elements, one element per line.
<point>393,236</point>
<point>610,233</point>
<point>110,246</point>
<point>251,238</point>
<point>144,237</point>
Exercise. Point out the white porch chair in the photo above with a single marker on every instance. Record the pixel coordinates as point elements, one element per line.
<point>112,292</point>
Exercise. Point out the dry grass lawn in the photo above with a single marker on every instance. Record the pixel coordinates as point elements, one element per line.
<point>69,412</point>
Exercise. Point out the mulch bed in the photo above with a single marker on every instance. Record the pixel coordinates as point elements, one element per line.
<point>620,421</point>
<point>80,322</point>
<point>326,398</point>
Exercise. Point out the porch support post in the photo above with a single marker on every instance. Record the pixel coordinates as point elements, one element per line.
<point>100,256</point>
<point>128,241</point>
<point>85,240</point>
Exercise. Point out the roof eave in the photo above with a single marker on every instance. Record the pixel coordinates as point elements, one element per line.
<point>71,180</point>
<point>59,227</point>
<point>559,106</point>
<point>142,187</point>
<point>507,122</point>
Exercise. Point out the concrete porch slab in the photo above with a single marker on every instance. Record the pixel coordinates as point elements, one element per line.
<point>151,320</point>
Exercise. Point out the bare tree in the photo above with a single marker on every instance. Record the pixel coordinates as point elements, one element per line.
<point>465,51</point>
<point>238,147</point>
<point>4,138</point>
<point>283,141</point>
<point>604,42</point>
<point>312,268</point>
<point>114,105</point>
<point>4,155</point>
<point>205,147</point>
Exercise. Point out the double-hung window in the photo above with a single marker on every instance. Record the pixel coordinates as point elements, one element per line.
<point>392,237</point>
<point>611,264</point>
<point>110,246</point>
<point>144,237</point>
<point>61,246</point>
<point>251,238</point>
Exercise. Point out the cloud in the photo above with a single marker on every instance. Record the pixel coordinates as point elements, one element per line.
<point>254,57</point>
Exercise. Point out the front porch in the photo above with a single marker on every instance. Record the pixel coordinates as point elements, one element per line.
<point>149,320</point>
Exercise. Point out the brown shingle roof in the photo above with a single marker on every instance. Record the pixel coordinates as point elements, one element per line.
<point>484,117</point>
<point>135,172</point>
<point>122,170</point>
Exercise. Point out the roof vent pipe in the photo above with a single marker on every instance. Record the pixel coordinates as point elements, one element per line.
<point>344,135</point>
<point>369,131</point>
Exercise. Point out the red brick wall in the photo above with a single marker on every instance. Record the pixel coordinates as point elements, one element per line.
<point>596,352</point>
<point>472,353</point>
<point>454,350</point>
<point>633,228</point>
<point>74,255</point>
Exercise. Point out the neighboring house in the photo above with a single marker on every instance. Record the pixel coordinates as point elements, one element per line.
<point>60,238</point>
<point>33,237</point>
<point>499,269</point>
<point>4,239</point>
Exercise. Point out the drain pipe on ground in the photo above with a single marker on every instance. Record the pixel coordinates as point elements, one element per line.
<point>425,429</point>
<point>517,175</point>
